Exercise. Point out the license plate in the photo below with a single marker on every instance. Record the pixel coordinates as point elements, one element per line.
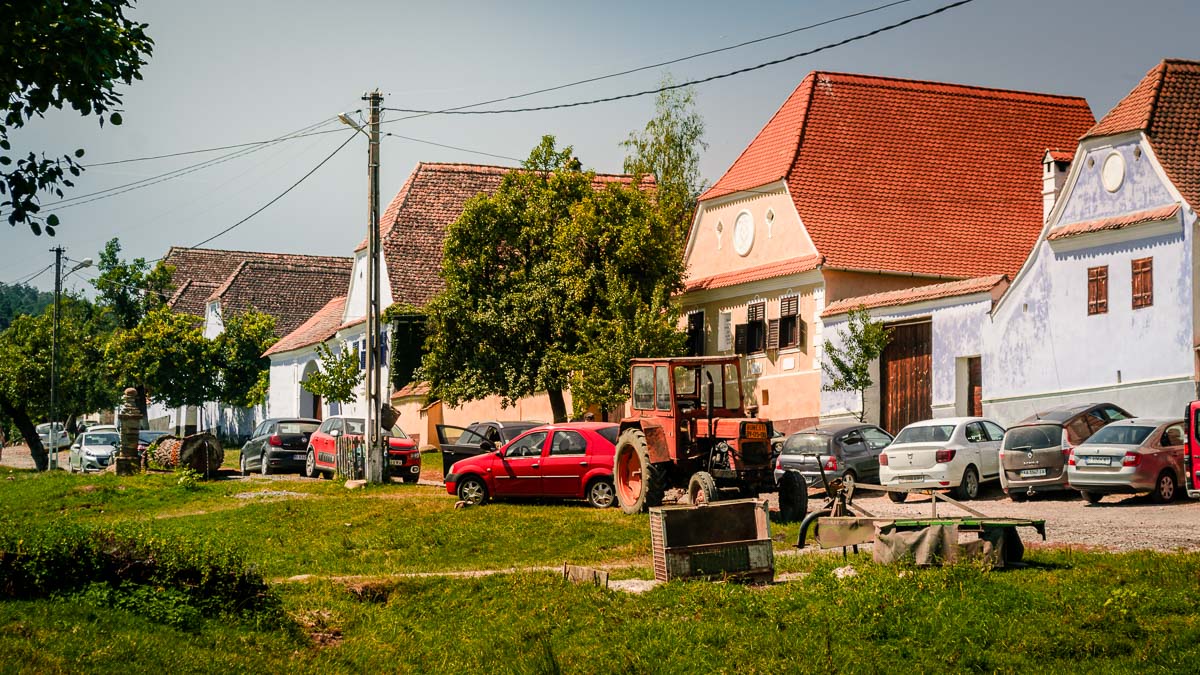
<point>1032,473</point>
<point>754,430</point>
<point>910,479</point>
<point>299,456</point>
<point>395,462</point>
<point>1099,461</point>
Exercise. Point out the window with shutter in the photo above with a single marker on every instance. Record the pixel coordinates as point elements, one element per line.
<point>739,338</point>
<point>1097,290</point>
<point>756,315</point>
<point>789,307</point>
<point>696,334</point>
<point>802,335</point>
<point>773,334</point>
<point>1143,282</point>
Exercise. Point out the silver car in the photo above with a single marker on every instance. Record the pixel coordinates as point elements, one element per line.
<point>93,451</point>
<point>1136,456</point>
<point>60,439</point>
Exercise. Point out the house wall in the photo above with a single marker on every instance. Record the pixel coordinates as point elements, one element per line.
<point>356,299</point>
<point>711,250</point>
<point>958,325</point>
<point>1042,348</point>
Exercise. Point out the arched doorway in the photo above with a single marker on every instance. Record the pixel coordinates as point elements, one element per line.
<point>310,403</point>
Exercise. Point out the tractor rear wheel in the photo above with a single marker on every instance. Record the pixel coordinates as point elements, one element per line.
<point>639,483</point>
<point>702,488</point>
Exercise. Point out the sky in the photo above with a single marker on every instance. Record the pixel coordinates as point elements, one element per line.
<point>226,72</point>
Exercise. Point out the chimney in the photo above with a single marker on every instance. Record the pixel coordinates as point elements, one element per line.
<point>1054,173</point>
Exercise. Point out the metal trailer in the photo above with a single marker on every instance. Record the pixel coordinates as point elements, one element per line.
<point>720,540</point>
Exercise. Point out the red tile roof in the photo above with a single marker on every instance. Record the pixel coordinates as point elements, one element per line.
<point>413,227</point>
<point>918,294</point>
<point>411,389</point>
<point>768,271</point>
<point>1166,106</point>
<point>318,328</point>
<point>909,176</point>
<point>1061,156</point>
<point>208,268</point>
<point>288,292</point>
<point>1115,223</point>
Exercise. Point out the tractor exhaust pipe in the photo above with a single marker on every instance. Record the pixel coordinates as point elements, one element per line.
<point>708,405</point>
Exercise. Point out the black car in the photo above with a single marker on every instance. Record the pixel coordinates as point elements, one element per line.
<point>277,445</point>
<point>849,451</point>
<point>459,443</point>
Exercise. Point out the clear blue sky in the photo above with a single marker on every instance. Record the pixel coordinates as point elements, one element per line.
<point>229,71</point>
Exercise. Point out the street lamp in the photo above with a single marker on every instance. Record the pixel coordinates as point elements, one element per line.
<point>52,451</point>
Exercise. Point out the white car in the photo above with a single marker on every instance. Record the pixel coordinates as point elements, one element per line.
<point>93,451</point>
<point>955,452</point>
<point>60,440</point>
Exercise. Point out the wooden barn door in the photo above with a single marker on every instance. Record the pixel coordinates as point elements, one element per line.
<point>906,377</point>
<point>975,386</point>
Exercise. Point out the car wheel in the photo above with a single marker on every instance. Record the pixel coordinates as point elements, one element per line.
<point>264,464</point>
<point>1092,497</point>
<point>702,488</point>
<point>310,464</point>
<point>601,494</point>
<point>244,472</point>
<point>1164,488</point>
<point>968,489</point>
<point>897,497</point>
<point>472,491</point>
<point>410,478</point>
<point>1018,496</point>
<point>848,483</point>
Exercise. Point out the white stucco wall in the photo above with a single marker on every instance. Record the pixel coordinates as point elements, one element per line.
<point>1042,348</point>
<point>356,300</point>
<point>957,333</point>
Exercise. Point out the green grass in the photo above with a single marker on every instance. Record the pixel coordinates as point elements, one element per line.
<point>1066,612</point>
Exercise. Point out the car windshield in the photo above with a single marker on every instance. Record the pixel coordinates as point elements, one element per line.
<point>806,444</point>
<point>609,434</point>
<point>1122,434</point>
<point>397,432</point>
<point>1035,437</point>
<point>932,433</point>
<point>150,435</point>
<point>106,438</point>
<point>354,425</point>
<point>297,427</point>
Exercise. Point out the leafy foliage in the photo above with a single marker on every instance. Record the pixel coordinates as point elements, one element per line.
<point>244,373</point>
<point>849,368</point>
<point>408,341</point>
<point>131,289</point>
<point>168,355</point>
<point>669,149</point>
<point>337,377</point>
<point>68,52</point>
<point>18,299</point>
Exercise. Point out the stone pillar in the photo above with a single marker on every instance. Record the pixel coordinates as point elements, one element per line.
<point>129,420</point>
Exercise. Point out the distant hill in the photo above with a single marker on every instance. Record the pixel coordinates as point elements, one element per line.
<point>16,300</point>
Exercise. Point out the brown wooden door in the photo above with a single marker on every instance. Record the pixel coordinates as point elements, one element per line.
<point>975,386</point>
<point>906,376</point>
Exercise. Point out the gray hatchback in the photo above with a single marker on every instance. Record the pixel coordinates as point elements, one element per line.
<point>1036,449</point>
<point>848,451</point>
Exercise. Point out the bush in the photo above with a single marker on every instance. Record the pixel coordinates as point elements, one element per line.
<point>175,580</point>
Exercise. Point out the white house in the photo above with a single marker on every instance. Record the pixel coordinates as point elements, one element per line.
<point>1105,307</point>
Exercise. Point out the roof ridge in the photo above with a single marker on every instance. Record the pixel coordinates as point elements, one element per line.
<point>1000,92</point>
<point>1162,77</point>
<point>224,287</point>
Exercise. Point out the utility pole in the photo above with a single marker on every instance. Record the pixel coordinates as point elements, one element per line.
<point>375,467</point>
<point>51,436</point>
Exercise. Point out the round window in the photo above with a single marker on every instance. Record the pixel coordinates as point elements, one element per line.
<point>743,233</point>
<point>1112,173</point>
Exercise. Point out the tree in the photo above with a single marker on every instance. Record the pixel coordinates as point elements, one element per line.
<point>18,299</point>
<point>849,367</point>
<point>243,372</point>
<point>71,52</point>
<point>337,377</point>
<point>549,284</point>
<point>25,354</point>
<point>168,355</point>
<point>621,263</point>
<point>408,341</point>
<point>669,149</point>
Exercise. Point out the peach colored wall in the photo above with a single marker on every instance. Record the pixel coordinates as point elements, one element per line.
<point>712,253</point>
<point>789,396</point>
<point>840,285</point>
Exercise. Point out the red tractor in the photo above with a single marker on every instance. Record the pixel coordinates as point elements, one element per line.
<point>688,429</point>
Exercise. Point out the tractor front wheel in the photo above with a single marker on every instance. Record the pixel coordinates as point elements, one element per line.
<point>702,488</point>
<point>639,483</point>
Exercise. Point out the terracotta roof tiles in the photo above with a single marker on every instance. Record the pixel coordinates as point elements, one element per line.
<point>289,292</point>
<point>917,294</point>
<point>909,176</point>
<point>759,273</point>
<point>213,267</point>
<point>1115,223</point>
<point>318,328</point>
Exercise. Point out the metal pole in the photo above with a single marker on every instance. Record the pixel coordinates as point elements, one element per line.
<point>374,454</point>
<point>52,449</point>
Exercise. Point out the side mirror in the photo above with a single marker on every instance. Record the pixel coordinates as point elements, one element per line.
<point>487,446</point>
<point>335,433</point>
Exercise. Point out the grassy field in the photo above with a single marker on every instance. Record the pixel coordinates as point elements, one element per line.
<point>1066,612</point>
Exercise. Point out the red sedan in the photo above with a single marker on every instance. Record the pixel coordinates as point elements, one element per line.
<point>571,461</point>
<point>404,459</point>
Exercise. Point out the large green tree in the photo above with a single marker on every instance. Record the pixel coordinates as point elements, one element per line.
<point>18,299</point>
<point>25,355</point>
<point>669,149</point>
<point>166,354</point>
<point>54,54</point>
<point>243,372</point>
<point>542,278</point>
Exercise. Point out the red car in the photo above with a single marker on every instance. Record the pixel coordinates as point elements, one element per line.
<point>403,457</point>
<point>572,461</point>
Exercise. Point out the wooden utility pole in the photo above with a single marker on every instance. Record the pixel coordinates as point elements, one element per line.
<point>52,436</point>
<point>374,436</point>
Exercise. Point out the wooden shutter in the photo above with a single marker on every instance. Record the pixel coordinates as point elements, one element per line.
<point>1097,290</point>
<point>756,312</point>
<point>1143,282</point>
<point>696,334</point>
<point>739,339</point>
<point>773,334</point>
<point>789,306</point>
<point>802,334</point>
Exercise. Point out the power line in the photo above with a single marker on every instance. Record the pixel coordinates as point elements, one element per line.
<point>452,147</point>
<point>711,78</point>
<point>30,277</point>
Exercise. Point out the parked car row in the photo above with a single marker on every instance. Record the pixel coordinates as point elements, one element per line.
<point>309,447</point>
<point>1096,449</point>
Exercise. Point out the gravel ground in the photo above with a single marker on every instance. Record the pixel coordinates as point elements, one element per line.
<point>1118,523</point>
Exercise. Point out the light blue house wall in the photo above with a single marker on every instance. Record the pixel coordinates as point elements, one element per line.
<point>1042,348</point>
